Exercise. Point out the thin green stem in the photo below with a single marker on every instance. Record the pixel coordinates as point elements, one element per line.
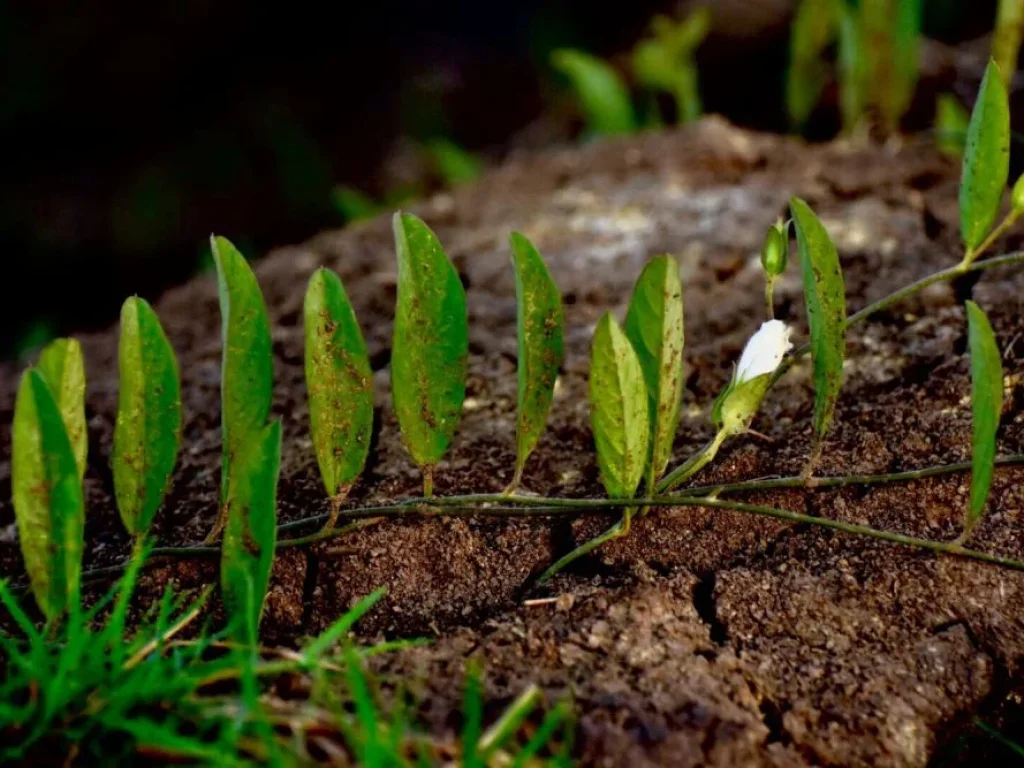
<point>839,482</point>
<point>769,297</point>
<point>621,528</point>
<point>692,465</point>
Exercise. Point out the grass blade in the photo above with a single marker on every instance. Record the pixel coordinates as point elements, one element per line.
<point>330,636</point>
<point>825,296</point>
<point>986,408</point>
<point>541,345</point>
<point>48,503</point>
<point>986,165</point>
<point>619,410</point>
<point>601,92</point>
<point>339,381</point>
<point>147,436</point>
<point>430,348</point>
<point>250,535</point>
<point>63,367</point>
<point>247,369</point>
<point>654,326</point>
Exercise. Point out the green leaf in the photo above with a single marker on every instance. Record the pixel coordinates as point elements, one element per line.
<point>63,367</point>
<point>247,553</point>
<point>951,121</point>
<point>48,503</point>
<point>906,39</point>
<point>452,163</point>
<point>986,160</point>
<point>541,346</point>
<point>813,30</point>
<point>1007,37</point>
<point>247,373</point>
<point>654,326</point>
<point>354,204</point>
<point>339,381</point>
<point>147,435</point>
<point>618,410</point>
<point>853,63</point>
<point>986,407</point>
<point>430,348</point>
<point>602,94</point>
<point>825,296</point>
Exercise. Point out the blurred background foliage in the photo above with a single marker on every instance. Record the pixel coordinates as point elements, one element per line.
<point>133,130</point>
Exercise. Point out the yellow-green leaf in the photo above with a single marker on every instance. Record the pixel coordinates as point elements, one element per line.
<point>247,553</point>
<point>48,503</point>
<point>541,345</point>
<point>430,347</point>
<point>654,326</point>
<point>813,30</point>
<point>62,365</point>
<point>825,297</point>
<point>147,435</point>
<point>247,371</point>
<point>618,410</point>
<point>986,164</point>
<point>602,94</point>
<point>986,407</point>
<point>339,381</point>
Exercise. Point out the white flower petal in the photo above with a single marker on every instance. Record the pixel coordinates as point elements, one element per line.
<point>764,351</point>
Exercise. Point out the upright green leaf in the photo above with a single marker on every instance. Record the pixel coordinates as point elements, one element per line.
<point>825,297</point>
<point>654,326</point>
<point>602,94</point>
<point>250,535</point>
<point>430,347</point>
<point>813,30</point>
<point>63,367</point>
<point>247,372</point>
<point>48,503</point>
<point>147,435</point>
<point>618,410</point>
<point>986,407</point>
<point>339,381</point>
<point>986,160</point>
<point>541,346</point>
<point>951,121</point>
<point>853,63</point>
<point>906,39</point>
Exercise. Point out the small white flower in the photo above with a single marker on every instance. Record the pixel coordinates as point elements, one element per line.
<point>764,351</point>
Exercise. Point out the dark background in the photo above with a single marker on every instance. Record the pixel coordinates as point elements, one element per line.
<point>131,131</point>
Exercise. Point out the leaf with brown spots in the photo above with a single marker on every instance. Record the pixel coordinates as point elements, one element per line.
<point>618,410</point>
<point>147,435</point>
<point>825,296</point>
<point>430,346</point>
<point>62,365</point>
<point>986,165</point>
<point>986,408</point>
<point>339,382</point>
<point>541,345</point>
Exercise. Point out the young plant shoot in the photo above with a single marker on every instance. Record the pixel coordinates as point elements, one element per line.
<point>430,346</point>
<point>49,507</point>
<point>539,328</point>
<point>247,370</point>
<point>147,435</point>
<point>340,386</point>
<point>602,95</point>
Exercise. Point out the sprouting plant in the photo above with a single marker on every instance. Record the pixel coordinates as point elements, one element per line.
<point>340,385</point>
<point>600,90</point>
<point>877,58</point>
<point>1007,36</point>
<point>665,63</point>
<point>48,503</point>
<point>541,346</point>
<point>430,348</point>
<point>147,434</point>
<point>453,164</point>
<point>63,367</point>
<point>247,370</point>
<point>951,121</point>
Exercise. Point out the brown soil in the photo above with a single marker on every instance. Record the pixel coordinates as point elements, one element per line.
<point>706,637</point>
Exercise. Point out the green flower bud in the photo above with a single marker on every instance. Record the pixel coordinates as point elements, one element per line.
<point>1017,197</point>
<point>775,251</point>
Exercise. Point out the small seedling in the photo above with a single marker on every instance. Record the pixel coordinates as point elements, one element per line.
<point>1007,37</point>
<point>666,63</point>
<point>600,90</point>
<point>48,504</point>
<point>147,435</point>
<point>247,369</point>
<point>430,347</point>
<point>340,385</point>
<point>541,346</point>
